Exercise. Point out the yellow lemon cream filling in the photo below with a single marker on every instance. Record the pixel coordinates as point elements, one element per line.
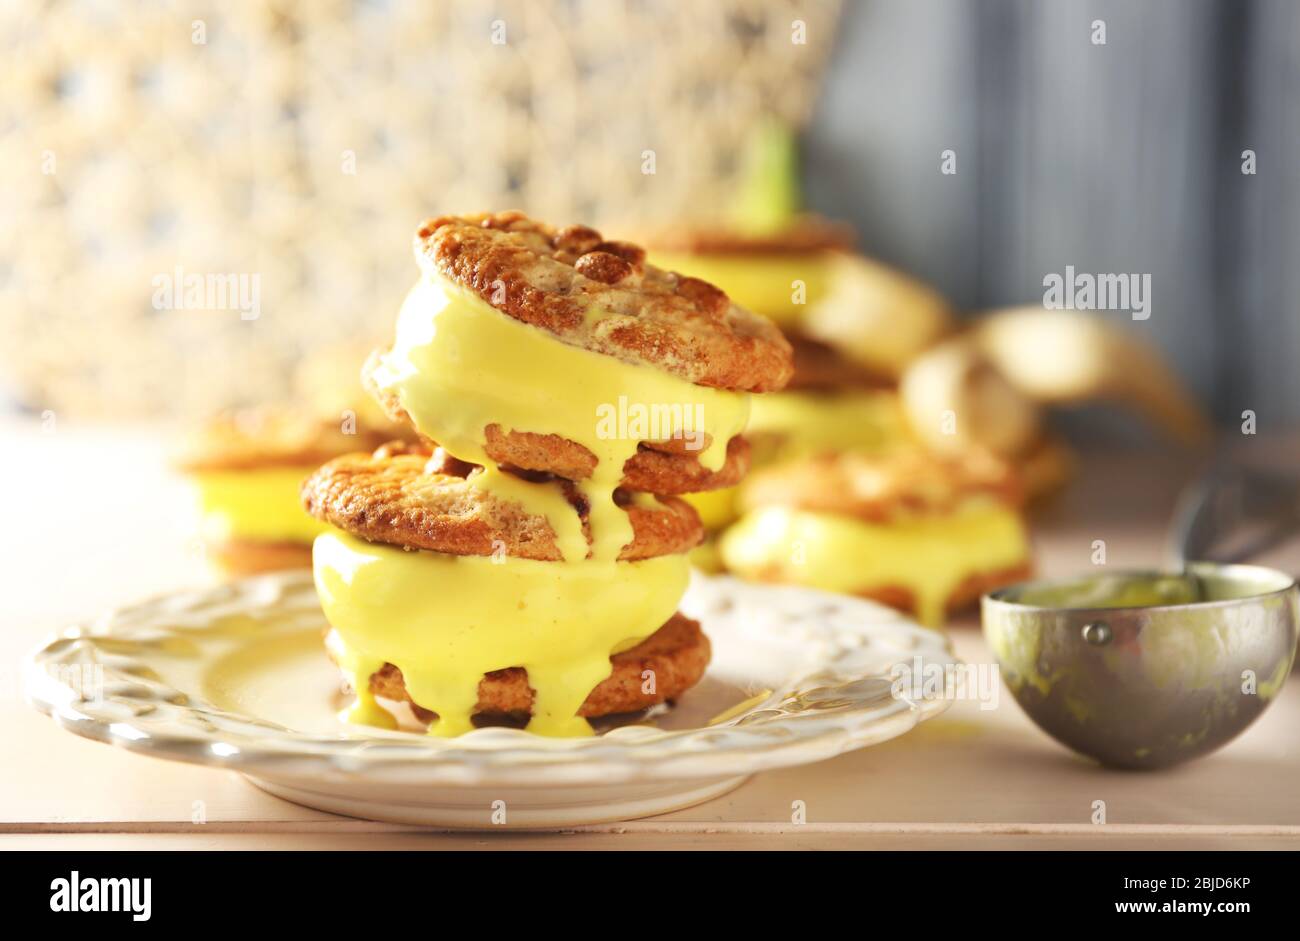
<point>259,504</point>
<point>930,555</point>
<point>458,365</point>
<point>446,620</point>
<point>717,508</point>
<point>808,423</point>
<point>779,286</point>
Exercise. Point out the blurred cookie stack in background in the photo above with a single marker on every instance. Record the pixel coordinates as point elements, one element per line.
<point>900,460</point>
<point>312,187</point>
<point>246,466</point>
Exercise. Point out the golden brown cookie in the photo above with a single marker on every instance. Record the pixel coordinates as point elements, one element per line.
<point>663,467</point>
<point>818,367</point>
<point>410,500</point>
<point>255,438</point>
<point>879,488</point>
<point>807,233</point>
<point>677,654</point>
<point>553,278</point>
<point>655,468</point>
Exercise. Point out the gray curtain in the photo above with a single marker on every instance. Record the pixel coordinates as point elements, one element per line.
<point>1123,157</point>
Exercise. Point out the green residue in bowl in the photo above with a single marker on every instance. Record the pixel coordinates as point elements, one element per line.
<point>1115,593</point>
<point>1078,708</point>
<point>1270,687</point>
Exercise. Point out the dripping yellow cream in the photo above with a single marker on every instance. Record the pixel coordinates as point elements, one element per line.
<point>717,508</point>
<point>929,555</point>
<point>446,620</point>
<point>459,365</point>
<point>763,283</point>
<point>260,504</point>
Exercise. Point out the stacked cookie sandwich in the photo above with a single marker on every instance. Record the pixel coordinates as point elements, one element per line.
<point>525,563</point>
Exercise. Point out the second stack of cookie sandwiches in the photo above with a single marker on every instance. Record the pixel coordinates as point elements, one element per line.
<point>527,563</point>
<point>246,467</point>
<point>793,275</point>
<point>918,532</point>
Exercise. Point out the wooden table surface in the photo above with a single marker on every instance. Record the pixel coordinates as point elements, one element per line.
<point>96,521</point>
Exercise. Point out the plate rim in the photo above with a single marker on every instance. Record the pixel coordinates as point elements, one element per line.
<point>499,756</point>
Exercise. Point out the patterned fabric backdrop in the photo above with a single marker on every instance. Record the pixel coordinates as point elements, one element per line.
<point>282,153</point>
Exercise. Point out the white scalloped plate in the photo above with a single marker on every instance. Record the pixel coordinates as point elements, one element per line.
<point>236,677</point>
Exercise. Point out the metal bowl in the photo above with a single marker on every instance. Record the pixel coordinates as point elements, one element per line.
<point>1146,669</point>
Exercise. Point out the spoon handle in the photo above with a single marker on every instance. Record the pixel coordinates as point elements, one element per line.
<point>1232,514</point>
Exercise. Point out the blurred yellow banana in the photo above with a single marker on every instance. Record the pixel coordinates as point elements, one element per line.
<point>1063,356</point>
<point>955,400</point>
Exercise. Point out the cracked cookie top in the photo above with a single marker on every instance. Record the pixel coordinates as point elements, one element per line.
<point>602,296</point>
